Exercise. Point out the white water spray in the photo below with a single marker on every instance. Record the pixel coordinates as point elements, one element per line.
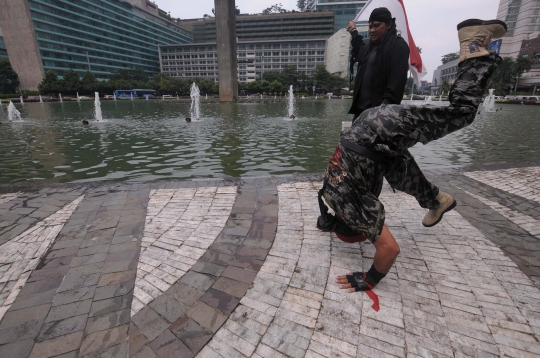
<point>13,114</point>
<point>489,102</point>
<point>195,94</point>
<point>97,109</point>
<point>290,102</point>
<point>22,102</point>
<point>114,96</point>
<point>40,99</point>
<point>78,98</point>
<point>131,95</point>
<point>60,95</point>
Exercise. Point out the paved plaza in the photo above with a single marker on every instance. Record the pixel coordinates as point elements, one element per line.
<point>237,268</point>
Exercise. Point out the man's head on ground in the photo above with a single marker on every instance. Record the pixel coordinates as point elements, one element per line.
<point>380,21</point>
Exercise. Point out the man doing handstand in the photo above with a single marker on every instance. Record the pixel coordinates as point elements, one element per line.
<point>376,147</point>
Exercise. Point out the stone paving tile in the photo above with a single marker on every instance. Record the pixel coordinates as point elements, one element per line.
<point>20,256</point>
<point>213,286</point>
<point>4,198</point>
<point>180,225</point>
<point>519,181</point>
<point>264,285</point>
<point>446,295</point>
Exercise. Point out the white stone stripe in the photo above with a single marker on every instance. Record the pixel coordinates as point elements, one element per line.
<point>4,198</point>
<point>527,223</point>
<point>523,182</point>
<point>180,225</point>
<point>20,256</point>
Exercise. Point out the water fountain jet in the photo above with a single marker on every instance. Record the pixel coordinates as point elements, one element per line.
<point>13,114</point>
<point>489,102</point>
<point>290,103</point>
<point>195,95</point>
<point>97,109</point>
<point>22,102</point>
<point>60,95</point>
<point>78,98</point>
<point>40,99</point>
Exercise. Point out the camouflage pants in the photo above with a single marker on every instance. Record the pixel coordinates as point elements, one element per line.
<point>354,182</point>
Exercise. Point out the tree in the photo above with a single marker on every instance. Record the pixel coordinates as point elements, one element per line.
<point>327,80</point>
<point>272,76</point>
<point>275,9</point>
<point>409,84</point>
<point>89,83</point>
<point>522,64</point>
<point>301,5</point>
<point>237,11</point>
<point>134,74</point>
<point>289,76</point>
<point>50,84</point>
<point>503,76</point>
<point>449,57</point>
<point>71,81</point>
<point>9,81</point>
<point>445,86</point>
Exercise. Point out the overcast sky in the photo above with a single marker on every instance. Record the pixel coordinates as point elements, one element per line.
<point>432,22</point>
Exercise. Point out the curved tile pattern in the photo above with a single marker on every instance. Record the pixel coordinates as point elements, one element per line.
<point>519,181</point>
<point>180,225</point>
<point>526,222</point>
<point>20,256</point>
<point>451,293</point>
<point>4,198</point>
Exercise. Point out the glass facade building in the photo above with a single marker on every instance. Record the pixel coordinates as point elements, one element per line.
<point>254,58</point>
<point>3,51</point>
<point>104,36</point>
<point>344,10</point>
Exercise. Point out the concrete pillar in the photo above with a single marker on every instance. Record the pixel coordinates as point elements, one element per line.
<point>21,43</point>
<point>226,49</point>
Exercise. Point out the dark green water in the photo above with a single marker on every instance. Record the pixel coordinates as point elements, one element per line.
<point>143,140</point>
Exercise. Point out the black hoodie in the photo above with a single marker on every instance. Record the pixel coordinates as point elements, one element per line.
<point>389,77</point>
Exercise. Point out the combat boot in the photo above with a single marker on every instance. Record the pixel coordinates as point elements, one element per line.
<point>476,35</point>
<point>434,216</point>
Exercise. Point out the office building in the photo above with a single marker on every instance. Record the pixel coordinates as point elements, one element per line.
<point>523,20</point>
<point>102,36</point>
<point>292,25</point>
<point>447,72</point>
<point>344,10</point>
<point>338,53</point>
<point>531,79</point>
<point>199,60</point>
<point>3,51</point>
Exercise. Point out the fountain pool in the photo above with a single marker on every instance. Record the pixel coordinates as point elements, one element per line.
<point>146,140</point>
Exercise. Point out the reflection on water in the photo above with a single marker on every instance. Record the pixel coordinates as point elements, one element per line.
<point>144,140</point>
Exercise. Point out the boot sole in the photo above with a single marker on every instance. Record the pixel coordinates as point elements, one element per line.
<point>451,207</point>
<point>478,22</point>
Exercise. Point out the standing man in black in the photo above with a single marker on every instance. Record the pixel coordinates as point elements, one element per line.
<point>382,63</point>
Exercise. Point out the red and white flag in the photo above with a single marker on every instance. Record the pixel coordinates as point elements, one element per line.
<point>397,8</point>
